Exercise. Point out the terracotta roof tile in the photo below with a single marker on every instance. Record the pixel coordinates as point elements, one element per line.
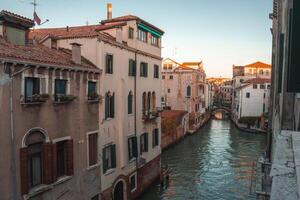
<point>173,113</point>
<point>40,54</point>
<point>129,18</point>
<point>72,32</point>
<point>258,80</point>
<point>258,65</point>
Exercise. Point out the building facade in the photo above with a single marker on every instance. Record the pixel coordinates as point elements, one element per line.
<point>49,129</point>
<point>184,87</point>
<point>128,50</point>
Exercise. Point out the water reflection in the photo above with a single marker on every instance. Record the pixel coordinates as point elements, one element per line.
<point>214,163</point>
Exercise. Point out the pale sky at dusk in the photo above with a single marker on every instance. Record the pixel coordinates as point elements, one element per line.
<point>218,32</point>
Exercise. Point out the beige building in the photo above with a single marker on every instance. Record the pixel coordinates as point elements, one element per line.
<point>184,88</point>
<point>128,50</point>
<point>49,118</point>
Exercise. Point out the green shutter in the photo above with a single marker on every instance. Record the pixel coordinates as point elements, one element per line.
<point>134,147</point>
<point>106,106</point>
<point>146,69</point>
<point>281,49</point>
<point>112,106</point>
<point>113,156</point>
<point>146,142</point>
<point>129,103</point>
<point>294,47</point>
<point>141,69</point>
<point>104,163</point>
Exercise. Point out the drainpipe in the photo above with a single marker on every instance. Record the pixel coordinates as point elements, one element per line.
<point>12,130</point>
<point>135,112</point>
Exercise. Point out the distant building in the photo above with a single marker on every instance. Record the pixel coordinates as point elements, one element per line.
<point>254,80</point>
<point>49,120</point>
<point>184,88</point>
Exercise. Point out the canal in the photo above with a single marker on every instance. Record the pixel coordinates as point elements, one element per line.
<point>214,163</point>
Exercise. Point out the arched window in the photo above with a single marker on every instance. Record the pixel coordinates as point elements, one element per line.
<point>109,105</point>
<point>144,100</point>
<point>130,102</point>
<point>188,91</point>
<point>149,101</point>
<point>153,103</point>
<point>34,142</point>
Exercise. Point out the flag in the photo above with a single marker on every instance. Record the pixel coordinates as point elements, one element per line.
<point>36,18</point>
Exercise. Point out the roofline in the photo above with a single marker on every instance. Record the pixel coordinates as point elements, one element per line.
<point>75,68</point>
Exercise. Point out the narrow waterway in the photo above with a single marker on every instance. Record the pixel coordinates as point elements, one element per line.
<point>214,163</point>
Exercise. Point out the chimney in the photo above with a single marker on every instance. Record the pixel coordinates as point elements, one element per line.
<point>109,11</point>
<point>76,53</point>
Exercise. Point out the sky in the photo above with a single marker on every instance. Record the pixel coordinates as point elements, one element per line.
<point>219,33</point>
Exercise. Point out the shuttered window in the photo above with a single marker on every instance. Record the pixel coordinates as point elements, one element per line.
<point>132,68</point>
<point>61,155</point>
<point>155,137</point>
<point>144,69</point>
<point>93,149</point>
<point>32,87</point>
<point>144,142</point>
<point>92,90</point>
<point>109,105</point>
<point>188,91</point>
<point>293,80</point>
<point>60,88</point>
<point>130,102</point>
<point>109,64</point>
<point>132,147</point>
<point>156,71</point>
<point>109,158</point>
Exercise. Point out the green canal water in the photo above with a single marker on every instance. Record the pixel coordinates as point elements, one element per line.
<point>214,163</point>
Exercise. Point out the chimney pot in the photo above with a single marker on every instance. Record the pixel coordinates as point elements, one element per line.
<point>76,53</point>
<point>109,11</point>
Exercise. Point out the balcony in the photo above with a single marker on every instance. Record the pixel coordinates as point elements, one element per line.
<point>152,114</point>
<point>94,98</point>
<point>63,98</point>
<point>35,99</point>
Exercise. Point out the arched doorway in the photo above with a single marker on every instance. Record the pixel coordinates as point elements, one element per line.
<point>119,191</point>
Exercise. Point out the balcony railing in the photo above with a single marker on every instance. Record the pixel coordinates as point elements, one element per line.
<point>152,114</point>
<point>63,98</point>
<point>35,99</point>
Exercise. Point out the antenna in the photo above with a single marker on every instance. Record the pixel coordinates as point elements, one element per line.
<point>34,5</point>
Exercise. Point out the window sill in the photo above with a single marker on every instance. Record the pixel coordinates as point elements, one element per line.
<point>43,188</point>
<point>93,101</point>
<point>61,102</point>
<point>110,171</point>
<point>89,168</point>
<point>31,103</point>
<point>108,119</point>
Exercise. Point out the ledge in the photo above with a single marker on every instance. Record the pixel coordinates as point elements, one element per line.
<point>61,102</point>
<point>93,101</point>
<point>32,103</point>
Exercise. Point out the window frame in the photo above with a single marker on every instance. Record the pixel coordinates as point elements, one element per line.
<point>130,32</point>
<point>132,148</point>
<point>135,178</point>
<point>144,143</point>
<point>89,162</point>
<point>155,137</point>
<point>111,159</point>
<point>109,66</point>
<point>35,90</point>
<point>156,71</point>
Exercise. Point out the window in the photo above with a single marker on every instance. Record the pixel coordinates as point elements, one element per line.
<point>250,71</point>
<point>267,72</point>
<point>268,86</point>
<point>264,95</point>
<point>154,40</point>
<point>144,102</point>
<point>109,105</point>
<point>109,64</point>
<point>170,66</point>
<point>144,69</point>
<point>130,102</point>
<point>142,35</point>
<point>169,90</point>
<point>109,158</point>
<point>264,108</point>
<point>93,149</point>
<point>92,90</point>
<point>171,77</point>
<point>262,86</point>
<point>165,66</point>
<point>156,71</point>
<point>188,91</point>
<point>241,80</point>
<point>133,180</point>
<point>132,68</point>
<point>248,95</point>
<point>132,147</point>
<point>261,72</point>
<point>144,142</point>
<point>60,88</point>
<point>163,76</point>
<point>130,33</point>
<point>254,86</point>
<point>32,87</point>
<point>293,69</point>
<point>162,99</point>
<point>61,155</point>
<point>155,137</point>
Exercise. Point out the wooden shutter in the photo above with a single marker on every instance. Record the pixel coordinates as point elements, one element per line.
<point>112,104</point>
<point>47,168</point>
<point>134,147</point>
<point>54,162</point>
<point>294,45</point>
<point>92,149</point>
<point>141,69</point>
<point>113,156</point>
<point>146,142</point>
<point>24,170</point>
<point>69,148</point>
<point>104,163</point>
<point>146,69</point>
